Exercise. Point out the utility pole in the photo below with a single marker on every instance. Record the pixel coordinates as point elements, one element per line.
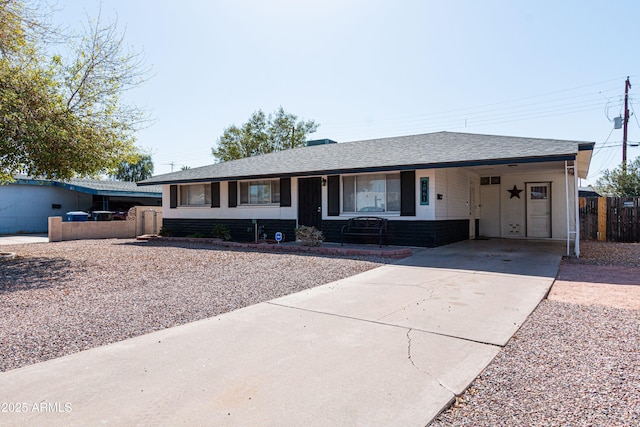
<point>627,85</point>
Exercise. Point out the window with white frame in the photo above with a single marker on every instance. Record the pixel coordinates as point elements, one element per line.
<point>264,192</point>
<point>195,195</point>
<point>371,193</point>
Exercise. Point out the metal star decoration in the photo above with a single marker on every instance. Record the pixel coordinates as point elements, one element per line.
<point>514,192</point>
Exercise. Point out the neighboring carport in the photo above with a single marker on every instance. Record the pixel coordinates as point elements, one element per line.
<point>27,203</point>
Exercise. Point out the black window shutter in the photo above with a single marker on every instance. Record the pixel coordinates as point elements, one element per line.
<point>173,196</point>
<point>215,194</point>
<point>333,190</point>
<point>233,194</point>
<point>285,192</point>
<point>408,193</point>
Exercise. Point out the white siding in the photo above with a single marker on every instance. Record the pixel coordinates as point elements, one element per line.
<point>425,212</point>
<point>225,212</point>
<point>454,185</point>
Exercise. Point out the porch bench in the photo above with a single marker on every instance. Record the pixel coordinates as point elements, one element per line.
<point>364,226</point>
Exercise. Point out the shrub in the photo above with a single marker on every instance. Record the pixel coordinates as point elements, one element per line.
<point>196,236</point>
<point>309,236</point>
<point>221,232</point>
<point>164,231</point>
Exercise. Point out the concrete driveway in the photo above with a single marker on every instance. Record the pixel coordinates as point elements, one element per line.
<point>18,239</point>
<point>391,346</point>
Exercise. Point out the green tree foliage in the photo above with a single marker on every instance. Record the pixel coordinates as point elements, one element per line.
<point>137,169</point>
<point>62,117</point>
<point>620,182</point>
<point>263,134</point>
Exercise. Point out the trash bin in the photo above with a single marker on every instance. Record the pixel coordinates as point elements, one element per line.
<point>102,216</point>
<point>77,216</point>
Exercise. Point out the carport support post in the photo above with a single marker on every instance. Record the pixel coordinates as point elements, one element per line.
<point>566,192</point>
<point>576,207</point>
<point>577,203</point>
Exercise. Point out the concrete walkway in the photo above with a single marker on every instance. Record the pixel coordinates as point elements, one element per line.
<point>391,346</point>
<point>23,238</point>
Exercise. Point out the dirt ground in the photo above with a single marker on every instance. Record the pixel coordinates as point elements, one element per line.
<point>606,273</point>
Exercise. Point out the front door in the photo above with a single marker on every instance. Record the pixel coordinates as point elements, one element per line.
<point>538,209</point>
<point>310,202</point>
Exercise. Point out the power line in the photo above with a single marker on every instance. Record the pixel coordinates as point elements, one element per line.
<point>475,117</point>
<point>605,141</point>
<point>634,112</point>
<point>471,121</point>
<point>483,108</point>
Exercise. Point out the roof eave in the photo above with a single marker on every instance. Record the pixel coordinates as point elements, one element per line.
<point>386,168</point>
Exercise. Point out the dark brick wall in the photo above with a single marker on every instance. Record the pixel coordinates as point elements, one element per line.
<point>242,230</point>
<point>407,233</point>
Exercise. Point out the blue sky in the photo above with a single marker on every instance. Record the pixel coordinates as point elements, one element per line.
<point>367,69</point>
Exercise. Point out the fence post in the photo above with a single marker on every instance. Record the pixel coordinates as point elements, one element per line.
<point>602,218</point>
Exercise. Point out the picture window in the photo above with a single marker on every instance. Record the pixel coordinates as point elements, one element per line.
<point>371,193</point>
<point>265,192</point>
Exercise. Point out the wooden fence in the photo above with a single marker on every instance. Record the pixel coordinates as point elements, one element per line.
<point>615,219</point>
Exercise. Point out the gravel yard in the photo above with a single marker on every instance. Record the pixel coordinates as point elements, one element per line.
<point>575,360</point>
<point>61,298</point>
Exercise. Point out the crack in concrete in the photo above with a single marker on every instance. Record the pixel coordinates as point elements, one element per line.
<point>410,357</point>
<point>429,296</point>
<point>377,322</point>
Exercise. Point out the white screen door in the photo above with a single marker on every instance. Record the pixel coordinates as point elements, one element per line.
<point>539,209</point>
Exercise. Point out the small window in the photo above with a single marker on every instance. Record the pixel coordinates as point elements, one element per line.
<point>265,192</point>
<point>195,195</point>
<point>490,180</point>
<point>539,193</point>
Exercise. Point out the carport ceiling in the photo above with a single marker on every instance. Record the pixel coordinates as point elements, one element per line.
<point>518,168</point>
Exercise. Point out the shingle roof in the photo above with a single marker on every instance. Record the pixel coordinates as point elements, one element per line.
<point>96,186</point>
<point>430,150</point>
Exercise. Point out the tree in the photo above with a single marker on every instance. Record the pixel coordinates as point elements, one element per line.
<point>620,182</point>
<point>136,170</point>
<point>262,134</point>
<point>63,117</point>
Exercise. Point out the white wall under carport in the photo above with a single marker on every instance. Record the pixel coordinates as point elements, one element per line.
<point>504,216</point>
<point>25,208</point>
